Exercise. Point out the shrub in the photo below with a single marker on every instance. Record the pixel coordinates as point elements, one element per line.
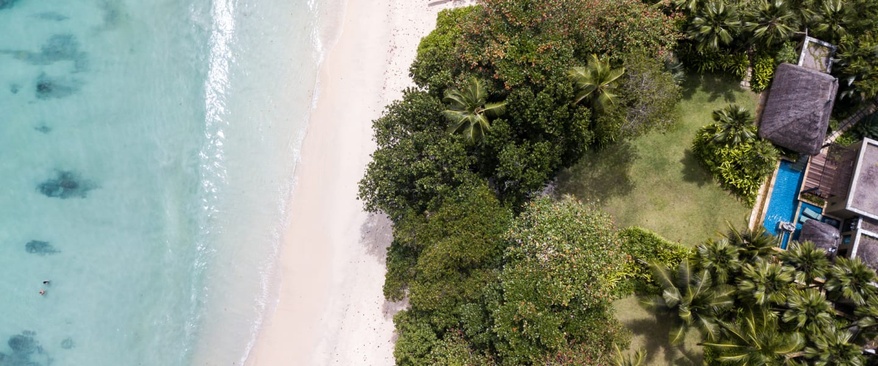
<point>735,64</point>
<point>787,53</point>
<point>643,247</point>
<point>740,168</point>
<point>867,127</point>
<point>813,198</point>
<point>763,72</point>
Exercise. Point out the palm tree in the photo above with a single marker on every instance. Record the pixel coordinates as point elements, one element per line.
<point>690,5</point>
<point>851,279</point>
<point>594,82</point>
<point>867,317</point>
<point>757,340</point>
<point>809,261</point>
<point>772,22</point>
<point>753,243</point>
<point>468,110</point>
<point>765,283</point>
<point>719,258</point>
<point>636,359</point>
<point>714,25</point>
<point>831,22</point>
<point>732,125</point>
<point>803,9</point>
<point>692,298</point>
<point>833,346</point>
<point>808,309</point>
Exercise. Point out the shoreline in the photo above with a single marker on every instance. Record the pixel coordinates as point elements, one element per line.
<point>327,304</point>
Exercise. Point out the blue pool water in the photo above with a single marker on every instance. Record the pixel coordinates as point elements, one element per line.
<point>784,198</point>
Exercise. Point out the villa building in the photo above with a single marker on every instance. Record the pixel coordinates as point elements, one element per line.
<point>829,196</point>
<point>854,199</point>
<point>798,108</point>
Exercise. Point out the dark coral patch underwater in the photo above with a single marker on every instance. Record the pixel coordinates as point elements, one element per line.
<point>59,47</point>
<point>39,247</point>
<point>51,15</point>
<point>47,87</point>
<point>66,185</point>
<point>26,351</point>
<point>6,4</point>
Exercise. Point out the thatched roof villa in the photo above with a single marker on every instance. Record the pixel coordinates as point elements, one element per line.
<point>796,114</point>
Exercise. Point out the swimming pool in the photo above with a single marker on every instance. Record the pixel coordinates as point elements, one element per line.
<point>784,199</point>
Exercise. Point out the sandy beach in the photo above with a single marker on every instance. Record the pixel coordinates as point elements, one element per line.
<point>329,307</point>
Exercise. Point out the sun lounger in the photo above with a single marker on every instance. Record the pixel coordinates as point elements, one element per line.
<point>811,214</point>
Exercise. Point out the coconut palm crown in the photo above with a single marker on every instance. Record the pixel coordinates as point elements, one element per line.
<point>594,82</point>
<point>734,125</point>
<point>772,22</point>
<point>714,25</point>
<point>468,110</point>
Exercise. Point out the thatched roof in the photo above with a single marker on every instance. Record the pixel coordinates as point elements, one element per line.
<point>797,111</point>
<point>825,236</point>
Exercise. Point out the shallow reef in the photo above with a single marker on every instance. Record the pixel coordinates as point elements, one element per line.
<point>65,185</point>
<point>59,47</point>
<point>26,351</point>
<point>5,4</point>
<point>50,15</point>
<point>39,247</point>
<point>48,87</point>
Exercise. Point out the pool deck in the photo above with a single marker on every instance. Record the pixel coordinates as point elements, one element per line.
<point>757,215</point>
<point>820,174</point>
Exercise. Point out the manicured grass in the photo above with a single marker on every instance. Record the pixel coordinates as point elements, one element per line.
<point>655,182</point>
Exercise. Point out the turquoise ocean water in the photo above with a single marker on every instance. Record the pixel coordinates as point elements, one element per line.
<point>147,151</point>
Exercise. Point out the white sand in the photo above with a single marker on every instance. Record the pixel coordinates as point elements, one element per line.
<point>330,308</point>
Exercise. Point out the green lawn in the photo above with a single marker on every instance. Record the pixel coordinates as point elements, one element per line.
<point>654,182</point>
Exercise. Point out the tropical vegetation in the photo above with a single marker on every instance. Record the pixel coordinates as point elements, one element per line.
<point>753,305</point>
<point>731,151</point>
<point>734,35</point>
<point>508,93</point>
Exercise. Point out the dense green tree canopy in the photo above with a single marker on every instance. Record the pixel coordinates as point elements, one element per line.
<point>417,162</point>
<point>556,277</point>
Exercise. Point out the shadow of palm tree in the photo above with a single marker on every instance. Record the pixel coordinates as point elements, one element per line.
<point>715,85</point>
<point>693,171</point>
<point>653,330</point>
<point>600,174</point>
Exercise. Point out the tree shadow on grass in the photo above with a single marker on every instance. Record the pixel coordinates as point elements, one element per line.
<point>716,86</point>
<point>693,171</point>
<point>655,329</point>
<point>600,174</point>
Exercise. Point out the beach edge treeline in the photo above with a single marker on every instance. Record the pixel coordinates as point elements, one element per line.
<point>507,94</point>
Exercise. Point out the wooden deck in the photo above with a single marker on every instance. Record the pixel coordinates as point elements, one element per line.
<point>820,176</point>
<point>829,173</point>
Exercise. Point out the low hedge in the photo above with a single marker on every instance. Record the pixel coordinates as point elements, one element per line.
<point>643,247</point>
